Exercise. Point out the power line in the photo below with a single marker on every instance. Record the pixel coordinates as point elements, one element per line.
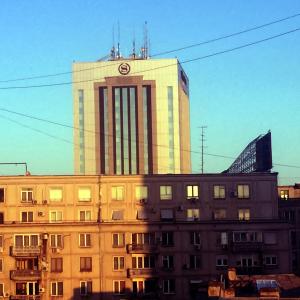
<point>160,67</point>
<point>93,149</point>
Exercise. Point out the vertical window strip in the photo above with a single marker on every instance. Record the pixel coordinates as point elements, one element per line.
<point>171,130</point>
<point>106,133</point>
<point>145,125</point>
<point>125,130</point>
<point>133,137</point>
<point>81,131</point>
<point>117,103</point>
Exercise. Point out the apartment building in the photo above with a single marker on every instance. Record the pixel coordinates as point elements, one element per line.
<point>133,237</point>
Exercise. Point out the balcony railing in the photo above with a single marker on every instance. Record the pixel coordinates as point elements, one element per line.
<point>141,273</point>
<point>25,297</point>
<point>25,274</point>
<point>246,246</point>
<point>141,248</point>
<point>25,251</point>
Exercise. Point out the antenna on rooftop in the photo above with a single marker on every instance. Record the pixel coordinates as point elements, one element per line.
<point>113,49</point>
<point>144,50</point>
<point>133,46</point>
<point>118,47</point>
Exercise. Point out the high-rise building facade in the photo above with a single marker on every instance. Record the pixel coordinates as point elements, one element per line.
<point>131,117</point>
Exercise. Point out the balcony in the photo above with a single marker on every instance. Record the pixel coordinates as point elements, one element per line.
<point>142,248</point>
<point>249,270</point>
<point>25,251</point>
<point>247,246</point>
<point>145,273</point>
<point>25,297</point>
<point>30,275</point>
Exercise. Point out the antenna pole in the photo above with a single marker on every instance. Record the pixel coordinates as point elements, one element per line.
<point>118,50</point>
<point>202,147</point>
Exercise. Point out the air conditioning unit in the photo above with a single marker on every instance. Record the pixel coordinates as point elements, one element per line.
<point>55,250</point>
<point>233,194</point>
<point>6,294</point>
<point>41,290</point>
<point>186,266</point>
<point>198,247</point>
<point>34,202</point>
<point>1,249</point>
<point>180,208</point>
<point>41,214</point>
<point>143,201</point>
<point>45,202</point>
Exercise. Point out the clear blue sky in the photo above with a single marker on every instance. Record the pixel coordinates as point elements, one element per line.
<point>238,95</point>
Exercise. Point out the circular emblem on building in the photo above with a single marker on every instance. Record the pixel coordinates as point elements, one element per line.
<point>124,68</point>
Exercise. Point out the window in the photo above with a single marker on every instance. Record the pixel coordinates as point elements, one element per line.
<point>219,192</point>
<point>219,213</point>
<point>247,236</point>
<point>119,287</point>
<point>85,288</point>
<point>195,238</point>
<point>141,192</point>
<point>118,240</point>
<point>284,194</point>
<point>26,194</point>
<point>195,261</point>
<point>117,193</point>
<point>55,216</point>
<point>167,239</point>
<point>246,261</point>
<point>244,214</point>
<point>26,240</point>
<point>143,238</point>
<point>143,262</point>
<point>57,265</point>
<point>2,195</point>
<point>1,289</point>
<point>85,240</point>
<point>192,214</point>
<point>169,286</point>
<point>26,216</point>
<point>119,263</point>
<point>57,288</point>
<point>55,194</point>
<point>168,261</point>
<point>117,215</point>
<point>1,241</point>
<point>192,192</point>
<point>56,241</point>
<point>1,217</point>
<point>165,192</point>
<point>270,260</point>
<point>85,215</point>
<point>243,191</point>
<point>85,264</point>
<point>221,261</point>
<point>1,265</point>
<point>84,194</point>
<point>166,214</point>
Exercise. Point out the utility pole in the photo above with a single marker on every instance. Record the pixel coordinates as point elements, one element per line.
<point>202,147</point>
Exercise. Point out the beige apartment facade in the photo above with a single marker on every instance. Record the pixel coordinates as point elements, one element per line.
<point>133,237</point>
<point>131,116</point>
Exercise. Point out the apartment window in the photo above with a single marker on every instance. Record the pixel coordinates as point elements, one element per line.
<point>117,193</point>
<point>2,195</point>
<point>56,241</point>
<point>168,261</point>
<point>1,265</point>
<point>243,191</point>
<point>26,194</point>
<point>1,217</point>
<point>247,236</point>
<point>55,194</point>
<point>147,238</point>
<point>219,213</point>
<point>85,240</point>
<point>143,262</point>
<point>56,265</point>
<point>195,261</point>
<point>165,192</point>
<point>118,240</point>
<point>142,214</point>
<point>192,214</point>
<point>141,192</point>
<point>166,214</point>
<point>192,192</point>
<point>84,194</point>
<point>27,216</point>
<point>169,286</point>
<point>221,261</point>
<point>117,215</point>
<point>219,192</point>
<point>270,260</point>
<point>85,264</point>
<point>26,240</point>
<point>119,287</point>
<point>1,241</point>
<point>86,288</point>
<point>118,263</point>
<point>85,215</point>
<point>57,288</point>
<point>195,238</point>
<point>56,216</point>
<point>246,261</point>
<point>167,239</point>
<point>284,194</point>
<point>244,214</point>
